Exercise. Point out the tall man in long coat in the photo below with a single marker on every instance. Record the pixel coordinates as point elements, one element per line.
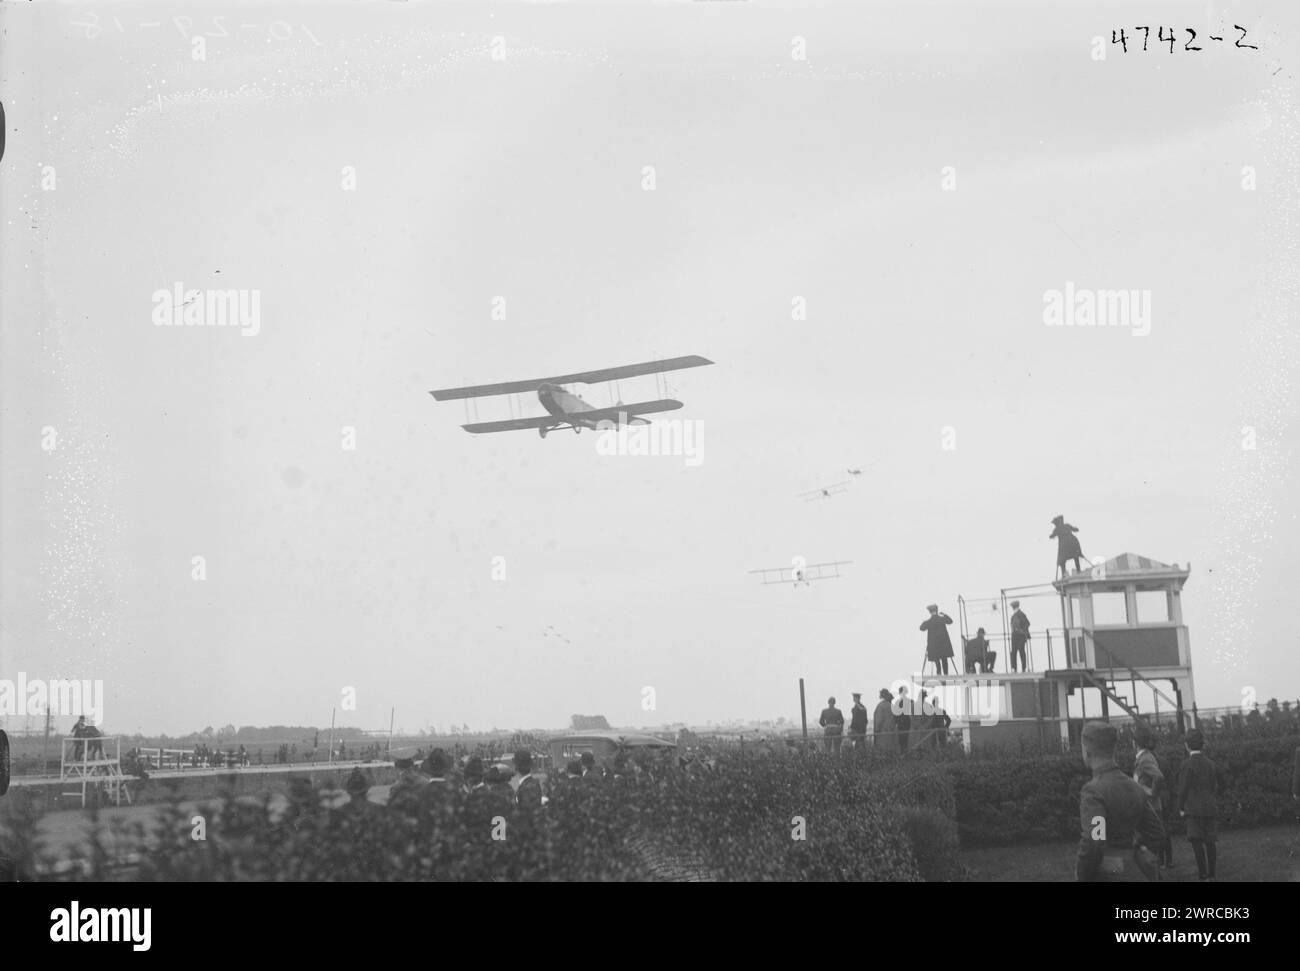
<point>1067,545</point>
<point>883,726</point>
<point>938,645</point>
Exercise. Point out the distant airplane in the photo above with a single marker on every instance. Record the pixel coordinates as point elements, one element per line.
<point>568,410</point>
<point>825,492</point>
<point>799,572</point>
<point>854,471</point>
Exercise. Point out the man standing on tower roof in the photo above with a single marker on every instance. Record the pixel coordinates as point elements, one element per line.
<point>1067,546</point>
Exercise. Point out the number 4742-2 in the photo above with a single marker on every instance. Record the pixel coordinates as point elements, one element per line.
<point>1168,35</point>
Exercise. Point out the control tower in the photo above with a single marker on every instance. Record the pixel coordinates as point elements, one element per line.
<point>1121,651</point>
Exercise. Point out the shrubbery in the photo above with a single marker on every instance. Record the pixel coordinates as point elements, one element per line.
<point>864,817</point>
<point>738,820</point>
<point>1036,799</point>
<point>741,820</point>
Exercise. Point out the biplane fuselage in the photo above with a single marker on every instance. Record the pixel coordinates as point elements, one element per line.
<point>561,403</point>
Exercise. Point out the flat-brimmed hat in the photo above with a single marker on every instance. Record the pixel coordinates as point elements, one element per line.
<point>932,607</point>
<point>1015,603</point>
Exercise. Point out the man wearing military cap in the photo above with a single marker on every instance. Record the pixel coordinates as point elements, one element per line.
<point>1118,828</point>
<point>832,723</point>
<point>858,723</point>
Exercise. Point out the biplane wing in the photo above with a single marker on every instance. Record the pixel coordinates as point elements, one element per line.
<point>582,377</point>
<point>619,414</point>
<point>804,573</point>
<point>513,425</point>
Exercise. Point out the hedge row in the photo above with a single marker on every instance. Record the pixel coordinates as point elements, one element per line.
<point>746,819</point>
<point>1036,799</point>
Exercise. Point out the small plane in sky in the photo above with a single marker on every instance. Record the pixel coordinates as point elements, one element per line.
<point>800,572</point>
<point>568,410</point>
<point>825,492</point>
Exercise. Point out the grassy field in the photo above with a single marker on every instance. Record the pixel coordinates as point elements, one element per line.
<point>1270,855</point>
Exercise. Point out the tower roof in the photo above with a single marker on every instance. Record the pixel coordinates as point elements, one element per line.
<point>1132,563</point>
<point>1124,567</point>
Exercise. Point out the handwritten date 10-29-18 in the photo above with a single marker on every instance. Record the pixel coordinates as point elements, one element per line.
<point>1168,35</point>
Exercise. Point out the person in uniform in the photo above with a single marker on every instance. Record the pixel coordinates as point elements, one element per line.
<point>1067,544</point>
<point>883,724</point>
<point>858,723</point>
<point>1147,774</point>
<point>590,770</point>
<point>1019,636</point>
<point>938,645</point>
<point>832,723</point>
<point>1118,828</point>
<point>1198,803</point>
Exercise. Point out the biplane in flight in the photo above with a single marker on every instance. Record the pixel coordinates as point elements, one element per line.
<point>825,492</point>
<point>565,409</point>
<point>801,572</point>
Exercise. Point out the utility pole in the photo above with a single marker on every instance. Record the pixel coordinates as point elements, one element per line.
<point>803,714</point>
<point>45,742</point>
<point>332,736</point>
<point>392,713</point>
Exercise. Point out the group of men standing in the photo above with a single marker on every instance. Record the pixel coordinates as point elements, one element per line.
<point>895,723</point>
<point>977,654</point>
<point>1125,822</point>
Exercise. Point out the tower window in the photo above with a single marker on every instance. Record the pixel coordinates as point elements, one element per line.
<point>1152,607</point>
<point>1109,608</point>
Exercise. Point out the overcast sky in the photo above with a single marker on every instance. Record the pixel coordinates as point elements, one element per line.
<point>524,178</point>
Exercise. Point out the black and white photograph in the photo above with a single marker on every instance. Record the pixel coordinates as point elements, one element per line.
<point>648,441</point>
